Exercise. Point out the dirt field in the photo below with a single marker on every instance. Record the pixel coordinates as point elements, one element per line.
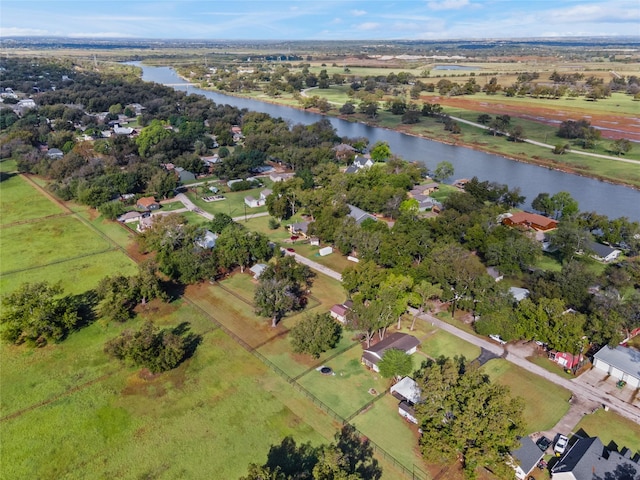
<point>611,126</point>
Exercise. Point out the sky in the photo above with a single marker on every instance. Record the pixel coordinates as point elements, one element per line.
<point>319,19</point>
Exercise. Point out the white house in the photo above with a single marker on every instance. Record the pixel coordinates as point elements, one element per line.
<point>339,311</point>
<point>621,362</point>
<point>603,253</point>
<point>409,393</point>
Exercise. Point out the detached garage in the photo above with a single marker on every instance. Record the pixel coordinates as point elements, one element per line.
<point>622,363</point>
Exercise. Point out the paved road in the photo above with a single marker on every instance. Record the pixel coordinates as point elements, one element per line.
<point>577,387</point>
<point>315,265</point>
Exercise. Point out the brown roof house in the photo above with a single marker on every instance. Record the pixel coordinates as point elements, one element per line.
<point>531,220</point>
<point>147,203</point>
<point>400,341</point>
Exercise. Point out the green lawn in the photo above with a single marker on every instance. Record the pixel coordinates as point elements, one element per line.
<point>610,426</point>
<point>442,343</point>
<point>347,390</point>
<point>233,205</point>
<point>209,418</point>
<point>76,276</point>
<point>383,425</point>
<point>545,402</point>
<point>49,240</point>
<point>20,201</point>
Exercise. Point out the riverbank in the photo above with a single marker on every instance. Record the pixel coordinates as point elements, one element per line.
<point>585,164</point>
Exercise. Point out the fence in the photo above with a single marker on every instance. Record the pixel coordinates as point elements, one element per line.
<point>414,474</point>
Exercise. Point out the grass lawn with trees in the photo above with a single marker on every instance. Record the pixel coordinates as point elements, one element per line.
<point>103,419</point>
<point>545,402</point>
<point>441,343</point>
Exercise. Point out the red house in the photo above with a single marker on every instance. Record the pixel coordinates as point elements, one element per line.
<point>531,220</point>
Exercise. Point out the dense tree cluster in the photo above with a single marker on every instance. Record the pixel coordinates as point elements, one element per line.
<point>38,313</point>
<point>315,334</point>
<point>152,348</point>
<point>465,416</point>
<point>349,457</point>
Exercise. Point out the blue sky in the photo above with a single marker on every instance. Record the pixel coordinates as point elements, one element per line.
<point>320,19</point>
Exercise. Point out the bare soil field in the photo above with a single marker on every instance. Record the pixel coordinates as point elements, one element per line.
<point>611,126</point>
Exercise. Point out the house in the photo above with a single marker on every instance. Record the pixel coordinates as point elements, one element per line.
<point>147,203</point>
<point>344,151</point>
<point>281,177</point>
<point>359,215</point>
<point>400,341</point>
<point>525,458</point>
<point>603,253</point>
<point>208,240</point>
<point>299,229</point>
<point>55,153</point>
<point>258,269</point>
<point>424,189</point>
<point>426,203</point>
<point>184,175</point>
<point>518,293</point>
<point>315,241</point>
<point>530,220</point>
<point>358,164</point>
<point>565,359</point>
<point>211,160</point>
<point>589,459</point>
<point>408,392</point>
<point>265,193</point>
<point>339,311</point>
<point>118,130</point>
<point>145,223</point>
<point>130,217</point>
<point>253,202</point>
<point>621,362</point>
<point>494,273</point>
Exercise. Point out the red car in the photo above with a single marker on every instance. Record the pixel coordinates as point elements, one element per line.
<point>290,249</point>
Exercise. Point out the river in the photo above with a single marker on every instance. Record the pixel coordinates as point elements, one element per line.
<point>592,195</point>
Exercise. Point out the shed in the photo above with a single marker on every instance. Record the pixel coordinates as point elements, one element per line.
<point>258,269</point>
<point>325,251</point>
<point>621,362</point>
<point>406,389</point>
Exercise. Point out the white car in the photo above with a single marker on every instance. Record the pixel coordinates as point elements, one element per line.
<point>561,445</point>
<point>497,339</point>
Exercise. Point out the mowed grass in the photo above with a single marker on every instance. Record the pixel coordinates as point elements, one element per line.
<point>20,201</point>
<point>348,390</point>
<point>46,241</point>
<point>545,402</point>
<point>383,425</point>
<point>611,427</point>
<point>442,343</point>
<point>233,205</point>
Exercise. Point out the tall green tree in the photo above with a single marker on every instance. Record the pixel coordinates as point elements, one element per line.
<point>443,171</point>
<point>467,417</point>
<point>395,364</point>
<point>315,334</point>
<point>37,313</point>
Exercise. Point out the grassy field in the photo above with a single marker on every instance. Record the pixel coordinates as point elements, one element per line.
<point>611,427</point>
<point>545,402</point>
<point>233,205</point>
<point>90,414</point>
<point>19,204</point>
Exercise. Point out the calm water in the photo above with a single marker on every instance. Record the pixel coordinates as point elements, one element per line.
<point>454,67</point>
<point>592,195</point>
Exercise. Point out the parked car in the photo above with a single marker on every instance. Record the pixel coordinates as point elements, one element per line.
<point>497,339</point>
<point>561,445</point>
<point>290,250</point>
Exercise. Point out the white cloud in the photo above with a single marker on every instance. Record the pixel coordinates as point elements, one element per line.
<point>368,26</point>
<point>358,13</point>
<point>100,35</point>
<point>609,13</point>
<point>448,4</point>
<point>21,32</point>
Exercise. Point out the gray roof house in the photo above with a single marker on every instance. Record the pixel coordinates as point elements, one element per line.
<point>589,459</point>
<point>603,253</point>
<point>257,269</point>
<point>359,215</point>
<point>55,153</point>
<point>621,362</point>
<point>208,240</point>
<point>526,457</point>
<point>400,341</point>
